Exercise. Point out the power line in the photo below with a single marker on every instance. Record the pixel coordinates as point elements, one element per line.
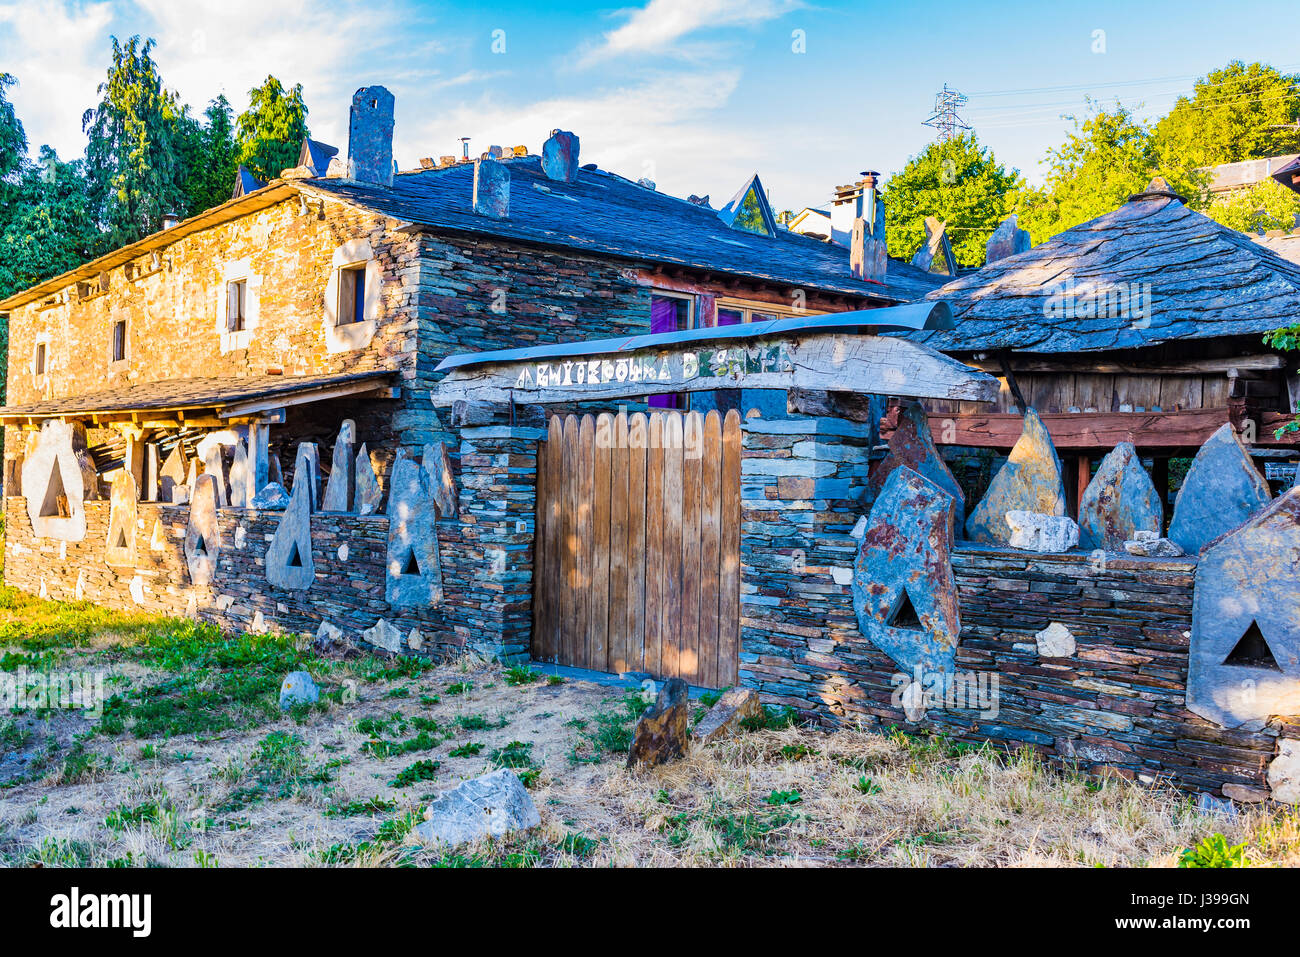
<point>945,118</point>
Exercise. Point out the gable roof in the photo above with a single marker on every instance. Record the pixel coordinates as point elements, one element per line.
<point>1193,279</point>
<point>604,213</point>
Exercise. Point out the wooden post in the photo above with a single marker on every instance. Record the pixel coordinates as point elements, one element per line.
<point>1160,478</point>
<point>1083,475</point>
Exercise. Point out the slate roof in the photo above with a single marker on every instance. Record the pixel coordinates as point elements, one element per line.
<point>605,213</point>
<point>1206,281</point>
<point>185,394</point>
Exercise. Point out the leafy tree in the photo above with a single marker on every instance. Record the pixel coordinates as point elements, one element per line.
<point>47,226</point>
<point>1264,206</point>
<point>271,130</point>
<point>1108,157</point>
<point>1238,113</point>
<point>960,182</point>
<point>131,157</point>
<point>209,157</point>
<point>13,138</point>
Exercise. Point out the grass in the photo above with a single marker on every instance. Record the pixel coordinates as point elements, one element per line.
<point>194,765</point>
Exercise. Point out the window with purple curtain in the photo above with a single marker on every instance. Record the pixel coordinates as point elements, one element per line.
<point>668,314</point>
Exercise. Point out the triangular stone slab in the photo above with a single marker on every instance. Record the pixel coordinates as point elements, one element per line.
<point>905,559</point>
<point>119,548</point>
<point>1221,491</point>
<point>214,466</point>
<point>339,487</point>
<point>1029,481</point>
<point>437,466</point>
<point>239,477</point>
<point>288,559</point>
<point>368,494</point>
<point>913,446</point>
<point>306,470</point>
<point>1249,579</point>
<point>54,484</point>
<point>158,540</point>
<point>202,537</point>
<point>173,473</point>
<point>1120,500</point>
<point>412,535</point>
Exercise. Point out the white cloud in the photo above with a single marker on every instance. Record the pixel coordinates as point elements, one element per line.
<point>56,52</point>
<point>659,25</point>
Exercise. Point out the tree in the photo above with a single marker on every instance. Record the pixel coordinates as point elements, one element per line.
<point>1238,113</point>
<point>271,130</point>
<point>1256,209</point>
<point>131,156</point>
<point>13,138</point>
<point>1108,157</point>
<point>209,157</point>
<point>960,182</point>
<point>48,227</point>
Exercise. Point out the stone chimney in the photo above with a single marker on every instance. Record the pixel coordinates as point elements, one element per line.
<point>370,137</point>
<point>868,254</point>
<point>560,157</point>
<point>1007,240</point>
<point>491,189</point>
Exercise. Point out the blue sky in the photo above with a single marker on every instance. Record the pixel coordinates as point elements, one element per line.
<point>694,94</point>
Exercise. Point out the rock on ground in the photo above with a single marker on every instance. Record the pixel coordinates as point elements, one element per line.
<point>494,805</point>
<point>1284,772</point>
<point>298,688</point>
<point>724,718</point>
<point>661,733</point>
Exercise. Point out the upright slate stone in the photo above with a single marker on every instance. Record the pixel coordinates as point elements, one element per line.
<point>202,538</point>
<point>560,157</point>
<point>437,467</point>
<point>1007,240</point>
<point>368,494</point>
<point>54,484</point>
<point>1029,481</point>
<point>491,189</point>
<point>339,487</point>
<point>414,573</point>
<point>913,446</point>
<point>1244,659</point>
<point>119,546</point>
<point>1221,491</point>
<point>370,136</point>
<point>306,471</point>
<point>239,477</point>
<point>172,473</point>
<point>289,561</point>
<point>1119,502</point>
<point>904,593</point>
<point>213,466</point>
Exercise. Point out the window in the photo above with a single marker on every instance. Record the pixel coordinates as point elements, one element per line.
<point>669,313</point>
<point>352,294</point>
<point>119,341</point>
<point>236,305</point>
<point>40,358</point>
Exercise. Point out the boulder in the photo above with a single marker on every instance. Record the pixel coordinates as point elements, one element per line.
<point>912,445</point>
<point>661,733</point>
<point>494,805</point>
<point>1284,772</point>
<point>298,688</point>
<point>1120,501</point>
<point>724,718</point>
<point>904,593</point>
<point>1055,641</point>
<point>1037,532</point>
<point>1029,481</point>
<point>383,635</point>
<point>270,496</point>
<point>1244,656</point>
<point>1221,491</point>
<point>330,642</point>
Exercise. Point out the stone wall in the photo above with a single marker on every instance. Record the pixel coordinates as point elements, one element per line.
<point>486,561</point>
<point>1118,701</point>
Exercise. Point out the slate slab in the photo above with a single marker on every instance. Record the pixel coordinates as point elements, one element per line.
<point>1120,501</point>
<point>1029,481</point>
<point>54,484</point>
<point>339,486</point>
<point>413,561</point>
<point>662,732</point>
<point>1221,491</point>
<point>202,537</point>
<point>367,494</point>
<point>306,470</point>
<point>912,445</point>
<point>289,561</point>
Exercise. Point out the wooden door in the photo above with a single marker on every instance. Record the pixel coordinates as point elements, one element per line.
<point>637,554</point>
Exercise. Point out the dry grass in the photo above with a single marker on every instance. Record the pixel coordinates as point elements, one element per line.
<point>322,787</point>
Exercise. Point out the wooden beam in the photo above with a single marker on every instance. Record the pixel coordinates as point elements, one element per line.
<point>1022,363</point>
<point>361,390</point>
<point>826,362</point>
<point>1091,431</point>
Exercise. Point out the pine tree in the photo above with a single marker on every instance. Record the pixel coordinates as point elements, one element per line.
<point>271,130</point>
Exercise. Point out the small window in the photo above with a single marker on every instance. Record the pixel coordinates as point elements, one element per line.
<point>40,358</point>
<point>236,301</point>
<point>119,340</point>
<point>352,294</point>
<point>669,314</point>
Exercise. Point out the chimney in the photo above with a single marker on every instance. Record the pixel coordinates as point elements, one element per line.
<point>1007,240</point>
<point>370,137</point>
<point>560,157</point>
<point>170,220</point>
<point>868,254</point>
<point>491,189</point>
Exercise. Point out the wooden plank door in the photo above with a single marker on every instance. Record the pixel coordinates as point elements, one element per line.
<point>637,557</point>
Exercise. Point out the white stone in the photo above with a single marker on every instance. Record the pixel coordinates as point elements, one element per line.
<point>415,640</point>
<point>343,552</point>
<point>298,688</point>
<point>137,590</point>
<point>1055,641</point>
<point>1039,532</point>
<point>1284,772</point>
<point>493,805</point>
<point>860,528</point>
<point>842,576</point>
<point>383,635</point>
<point>913,699</point>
